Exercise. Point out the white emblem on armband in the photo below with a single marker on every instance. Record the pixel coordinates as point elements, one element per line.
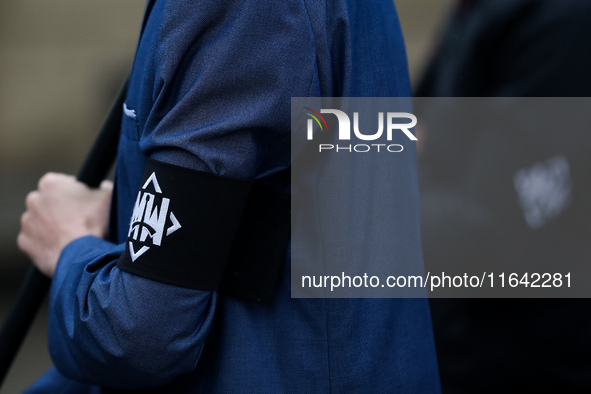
<point>149,219</point>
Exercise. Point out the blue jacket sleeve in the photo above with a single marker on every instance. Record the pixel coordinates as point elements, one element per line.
<point>114,329</point>
<point>211,87</point>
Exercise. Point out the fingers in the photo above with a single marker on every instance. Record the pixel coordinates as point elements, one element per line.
<point>25,218</point>
<point>28,243</point>
<point>29,229</point>
<point>59,211</point>
<point>23,242</point>
<point>32,200</point>
<point>40,257</point>
<point>53,179</point>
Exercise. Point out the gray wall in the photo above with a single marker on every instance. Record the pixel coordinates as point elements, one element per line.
<point>60,65</point>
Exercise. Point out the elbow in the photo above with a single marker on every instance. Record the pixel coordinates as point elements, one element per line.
<point>129,362</point>
<point>131,347</point>
<point>127,332</point>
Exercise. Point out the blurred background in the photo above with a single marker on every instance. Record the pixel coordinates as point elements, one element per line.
<point>61,64</point>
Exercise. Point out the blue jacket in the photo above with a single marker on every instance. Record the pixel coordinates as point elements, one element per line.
<point>211,87</point>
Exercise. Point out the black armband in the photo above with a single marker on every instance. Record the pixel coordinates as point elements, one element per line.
<point>260,246</point>
<point>183,225</point>
<point>201,231</point>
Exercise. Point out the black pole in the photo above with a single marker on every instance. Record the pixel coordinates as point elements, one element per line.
<point>33,289</point>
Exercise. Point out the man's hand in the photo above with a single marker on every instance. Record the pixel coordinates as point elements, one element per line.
<point>58,212</point>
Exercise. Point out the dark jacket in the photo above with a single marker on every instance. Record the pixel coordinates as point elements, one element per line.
<point>508,48</point>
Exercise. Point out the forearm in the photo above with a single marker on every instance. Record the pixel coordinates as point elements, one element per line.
<point>114,329</point>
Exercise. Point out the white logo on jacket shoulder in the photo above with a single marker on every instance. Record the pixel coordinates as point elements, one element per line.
<point>129,112</point>
<point>149,218</point>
